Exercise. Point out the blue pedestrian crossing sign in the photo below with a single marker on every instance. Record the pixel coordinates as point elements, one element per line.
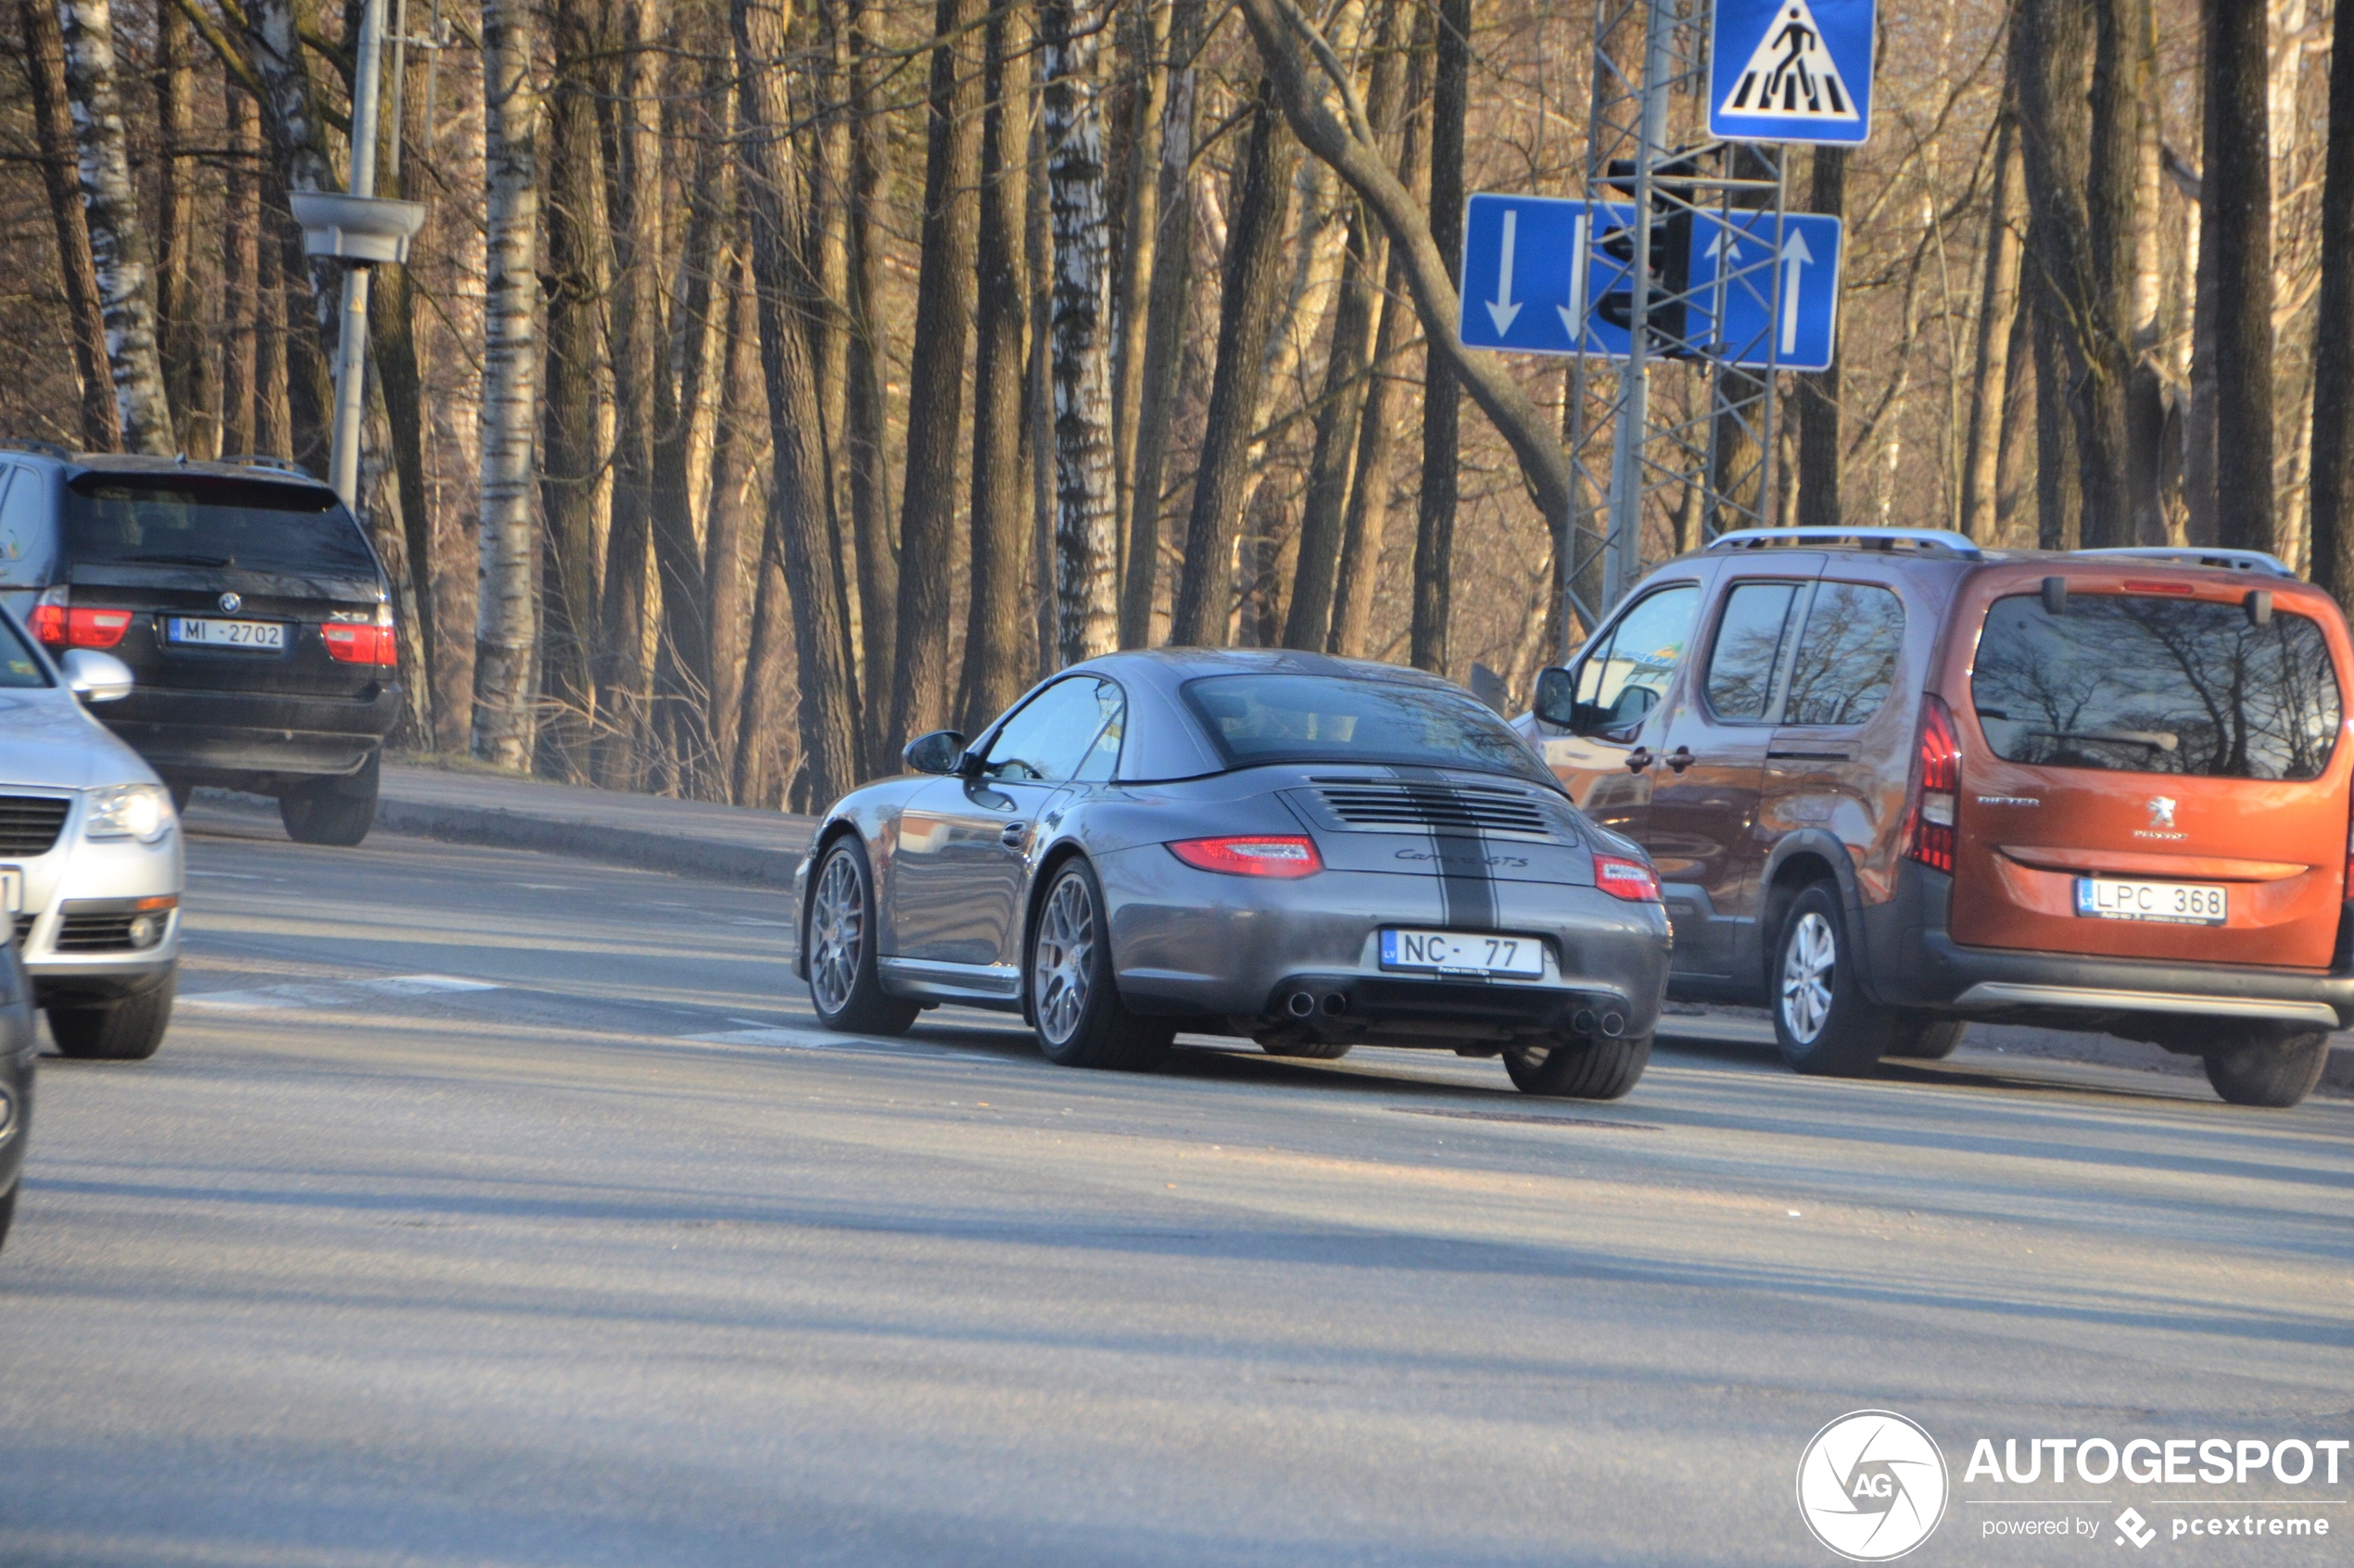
<point>1791,71</point>
<point>1543,275</point>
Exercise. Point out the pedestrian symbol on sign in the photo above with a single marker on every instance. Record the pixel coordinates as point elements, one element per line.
<point>1789,72</point>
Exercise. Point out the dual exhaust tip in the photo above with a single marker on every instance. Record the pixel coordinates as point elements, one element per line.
<point>1610,1025</point>
<point>1304,1004</point>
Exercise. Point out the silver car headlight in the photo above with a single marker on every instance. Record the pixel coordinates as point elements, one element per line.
<point>128,810</point>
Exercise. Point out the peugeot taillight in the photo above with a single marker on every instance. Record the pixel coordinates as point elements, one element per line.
<point>1937,789</point>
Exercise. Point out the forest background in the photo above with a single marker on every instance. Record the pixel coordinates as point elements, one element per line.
<point>776,380</point>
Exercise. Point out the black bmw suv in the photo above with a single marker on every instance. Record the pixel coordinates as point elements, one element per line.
<point>245,599</point>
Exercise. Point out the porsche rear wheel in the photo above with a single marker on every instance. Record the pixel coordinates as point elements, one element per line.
<point>1576,1068</point>
<point>839,939</point>
<point>1074,999</point>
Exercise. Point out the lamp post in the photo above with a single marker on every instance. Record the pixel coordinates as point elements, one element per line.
<point>364,231</point>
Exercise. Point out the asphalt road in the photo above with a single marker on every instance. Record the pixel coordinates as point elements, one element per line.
<point>587,1248</point>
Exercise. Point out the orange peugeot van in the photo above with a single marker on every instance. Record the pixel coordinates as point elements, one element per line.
<point>1893,782</point>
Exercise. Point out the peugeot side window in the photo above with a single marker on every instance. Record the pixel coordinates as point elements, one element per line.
<point>1746,663</point>
<point>1620,682</point>
<point>1846,660</point>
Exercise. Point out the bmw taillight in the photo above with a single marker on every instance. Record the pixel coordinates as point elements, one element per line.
<point>59,624</point>
<point>1629,880</point>
<point>360,642</point>
<point>49,621</point>
<point>1937,789</point>
<point>1282,856</point>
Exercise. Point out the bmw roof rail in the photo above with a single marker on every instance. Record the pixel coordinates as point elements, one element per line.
<point>2195,555</point>
<point>1924,541</point>
<point>26,444</point>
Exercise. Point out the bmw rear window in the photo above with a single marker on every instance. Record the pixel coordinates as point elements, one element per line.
<point>208,521</point>
<point>1272,718</point>
<point>2141,683</point>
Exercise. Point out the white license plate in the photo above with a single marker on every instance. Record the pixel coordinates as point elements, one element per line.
<point>270,635</point>
<point>2173,904</point>
<point>11,890</point>
<point>1459,953</point>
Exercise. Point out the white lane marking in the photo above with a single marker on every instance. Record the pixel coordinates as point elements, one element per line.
<point>777,1038</point>
<point>335,994</point>
<point>549,887</point>
<point>233,876</point>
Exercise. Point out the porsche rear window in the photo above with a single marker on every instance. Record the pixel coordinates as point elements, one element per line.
<point>201,520</point>
<point>1266,718</point>
<point>2140,683</point>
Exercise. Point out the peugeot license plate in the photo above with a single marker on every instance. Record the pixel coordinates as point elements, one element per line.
<point>269,636</point>
<point>2173,904</point>
<point>1461,953</point>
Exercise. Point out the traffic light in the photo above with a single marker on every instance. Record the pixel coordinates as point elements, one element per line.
<point>1670,258</point>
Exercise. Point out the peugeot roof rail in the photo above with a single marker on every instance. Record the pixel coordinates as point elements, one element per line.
<point>26,444</point>
<point>1925,541</point>
<point>274,464</point>
<point>2195,555</point>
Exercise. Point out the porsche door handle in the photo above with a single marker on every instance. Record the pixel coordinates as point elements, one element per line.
<point>1013,833</point>
<point>1680,758</point>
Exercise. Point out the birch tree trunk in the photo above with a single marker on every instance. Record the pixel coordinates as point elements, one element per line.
<point>866,417</point>
<point>241,274</point>
<point>117,244</point>
<point>290,113</point>
<point>1246,315</point>
<point>920,693</point>
<point>997,634</point>
<point>2332,485</point>
<point>724,519</point>
<point>2235,215</point>
<point>1164,323</point>
<point>44,69</point>
<point>1086,516</point>
<point>794,551</point>
<point>504,625</point>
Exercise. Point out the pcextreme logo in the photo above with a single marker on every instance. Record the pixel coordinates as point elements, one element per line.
<point>1872,1486</point>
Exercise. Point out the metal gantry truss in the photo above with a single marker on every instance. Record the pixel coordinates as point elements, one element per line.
<point>1634,459</point>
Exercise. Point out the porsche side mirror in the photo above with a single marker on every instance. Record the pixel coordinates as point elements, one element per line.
<point>95,677</point>
<point>1556,701</point>
<point>936,752</point>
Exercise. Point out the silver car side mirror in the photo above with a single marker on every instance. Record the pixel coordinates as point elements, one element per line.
<point>95,677</point>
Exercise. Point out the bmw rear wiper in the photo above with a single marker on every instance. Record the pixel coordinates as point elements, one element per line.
<point>180,559</point>
<point>2157,739</point>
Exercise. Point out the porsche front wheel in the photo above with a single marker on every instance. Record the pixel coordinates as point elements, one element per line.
<point>838,938</point>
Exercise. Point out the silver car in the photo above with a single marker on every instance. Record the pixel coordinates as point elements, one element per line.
<point>1306,852</point>
<point>90,856</point>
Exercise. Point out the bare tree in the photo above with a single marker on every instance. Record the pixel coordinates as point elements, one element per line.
<point>118,242</point>
<point>920,693</point>
<point>504,628</point>
<point>1442,393</point>
<point>2236,229</point>
<point>44,69</point>
<point>1086,515</point>
<point>1998,308</point>
<point>1246,310</point>
<point>2333,481</point>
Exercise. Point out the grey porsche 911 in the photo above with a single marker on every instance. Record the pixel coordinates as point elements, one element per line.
<point>1305,852</point>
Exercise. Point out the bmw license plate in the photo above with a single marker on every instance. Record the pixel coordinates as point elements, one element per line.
<point>269,636</point>
<point>2172,903</point>
<point>1462,953</point>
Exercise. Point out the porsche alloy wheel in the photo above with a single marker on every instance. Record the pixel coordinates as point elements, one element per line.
<point>1073,998</point>
<point>843,982</point>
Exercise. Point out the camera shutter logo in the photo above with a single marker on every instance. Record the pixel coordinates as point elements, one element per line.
<point>1872,1486</point>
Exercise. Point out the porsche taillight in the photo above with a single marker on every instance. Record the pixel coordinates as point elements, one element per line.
<point>1629,880</point>
<point>1937,789</point>
<point>1284,856</point>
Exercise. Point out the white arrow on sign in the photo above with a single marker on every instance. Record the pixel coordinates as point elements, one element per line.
<point>1501,309</point>
<point>1795,256</point>
<point>1574,313</point>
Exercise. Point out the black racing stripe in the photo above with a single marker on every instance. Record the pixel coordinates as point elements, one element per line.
<point>1466,889</point>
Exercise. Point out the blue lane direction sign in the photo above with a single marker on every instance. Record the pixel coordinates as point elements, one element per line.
<point>1768,305</point>
<point>1535,270</point>
<point>1791,71</point>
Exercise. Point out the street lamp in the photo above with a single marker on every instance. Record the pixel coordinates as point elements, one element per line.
<point>362,230</point>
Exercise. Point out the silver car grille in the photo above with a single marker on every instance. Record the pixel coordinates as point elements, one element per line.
<point>28,824</point>
<point>1465,808</point>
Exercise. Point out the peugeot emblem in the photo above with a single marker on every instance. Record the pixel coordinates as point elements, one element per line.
<point>231,603</point>
<point>2161,812</point>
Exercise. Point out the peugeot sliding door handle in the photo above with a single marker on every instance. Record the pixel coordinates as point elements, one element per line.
<point>1680,758</point>
<point>1638,759</point>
